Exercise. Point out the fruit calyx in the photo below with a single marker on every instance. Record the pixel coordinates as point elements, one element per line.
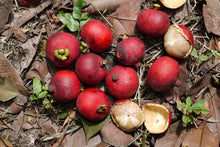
<point>115,77</point>
<point>103,63</point>
<point>62,54</point>
<point>101,108</point>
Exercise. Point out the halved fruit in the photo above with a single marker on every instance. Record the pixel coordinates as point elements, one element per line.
<point>157,117</point>
<point>127,115</point>
<point>173,4</point>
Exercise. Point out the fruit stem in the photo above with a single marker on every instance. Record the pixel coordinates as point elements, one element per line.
<point>115,77</point>
<point>62,54</point>
<point>101,108</point>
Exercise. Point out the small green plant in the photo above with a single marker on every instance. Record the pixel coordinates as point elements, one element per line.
<point>76,20</point>
<point>40,91</point>
<point>192,110</point>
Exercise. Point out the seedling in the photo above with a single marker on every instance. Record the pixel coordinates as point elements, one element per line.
<point>76,20</point>
<point>40,91</point>
<point>192,110</point>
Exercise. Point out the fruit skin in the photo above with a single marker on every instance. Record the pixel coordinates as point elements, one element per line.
<point>178,41</point>
<point>153,23</point>
<point>93,104</point>
<point>90,68</point>
<point>65,85</point>
<point>96,35</point>
<point>28,3</point>
<point>163,74</point>
<point>122,81</point>
<point>130,51</point>
<point>62,40</point>
<point>149,111</point>
<point>127,115</point>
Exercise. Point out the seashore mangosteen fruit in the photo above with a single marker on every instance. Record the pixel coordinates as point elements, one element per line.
<point>91,68</point>
<point>122,81</point>
<point>28,3</point>
<point>96,35</point>
<point>163,74</point>
<point>93,104</point>
<point>62,49</point>
<point>127,115</point>
<point>173,4</point>
<point>130,51</point>
<point>153,23</point>
<point>178,41</point>
<point>65,86</point>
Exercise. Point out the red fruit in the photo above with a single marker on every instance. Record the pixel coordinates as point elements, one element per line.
<point>93,104</point>
<point>163,74</point>
<point>130,51</point>
<point>28,3</point>
<point>62,49</point>
<point>178,41</point>
<point>65,86</point>
<point>122,81</point>
<point>96,35</point>
<point>153,23</point>
<point>90,68</point>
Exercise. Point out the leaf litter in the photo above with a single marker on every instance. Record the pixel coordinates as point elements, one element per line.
<point>22,60</point>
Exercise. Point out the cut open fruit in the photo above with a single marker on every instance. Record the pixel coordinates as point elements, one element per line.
<point>127,115</point>
<point>157,118</point>
<point>173,4</point>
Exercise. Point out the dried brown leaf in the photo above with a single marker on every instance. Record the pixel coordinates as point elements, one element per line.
<point>5,10</point>
<point>201,137</point>
<point>5,143</point>
<point>211,13</point>
<point>7,70</point>
<point>114,136</point>
<point>19,34</point>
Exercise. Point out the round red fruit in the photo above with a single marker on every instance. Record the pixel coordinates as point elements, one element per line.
<point>91,68</point>
<point>93,104</point>
<point>28,3</point>
<point>122,81</point>
<point>96,35</point>
<point>65,86</point>
<point>62,49</point>
<point>130,51</point>
<point>153,23</point>
<point>163,74</point>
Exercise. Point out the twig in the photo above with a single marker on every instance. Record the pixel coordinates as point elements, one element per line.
<point>63,135</point>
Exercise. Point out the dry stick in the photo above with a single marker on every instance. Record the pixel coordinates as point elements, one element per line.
<point>196,23</point>
<point>26,17</point>
<point>67,8</point>
<point>63,135</point>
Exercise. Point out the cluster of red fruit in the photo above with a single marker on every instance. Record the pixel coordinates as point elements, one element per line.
<point>122,82</point>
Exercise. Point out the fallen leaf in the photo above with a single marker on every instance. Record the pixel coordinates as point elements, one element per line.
<point>19,34</point>
<point>173,137</point>
<point>47,127</point>
<point>200,137</point>
<point>8,90</point>
<point>211,13</point>
<point>91,128</point>
<point>114,136</point>
<point>5,143</point>
<point>5,10</point>
<point>29,49</point>
<point>40,71</point>
<point>7,70</point>
<point>78,139</point>
<point>17,123</point>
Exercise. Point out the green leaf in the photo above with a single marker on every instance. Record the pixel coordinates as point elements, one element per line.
<point>185,119</point>
<point>188,102</point>
<point>42,94</point>
<point>45,87</point>
<point>84,16</point>
<point>82,22</point>
<point>205,111</point>
<point>76,13</point>
<point>216,52</point>
<point>91,128</point>
<point>61,16</point>
<point>47,104</point>
<point>194,53</point>
<point>37,87</point>
<point>203,58</point>
<point>198,111</point>
<point>80,3</point>
<point>33,97</point>
<point>66,18</point>
<point>8,89</point>
<point>182,106</point>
